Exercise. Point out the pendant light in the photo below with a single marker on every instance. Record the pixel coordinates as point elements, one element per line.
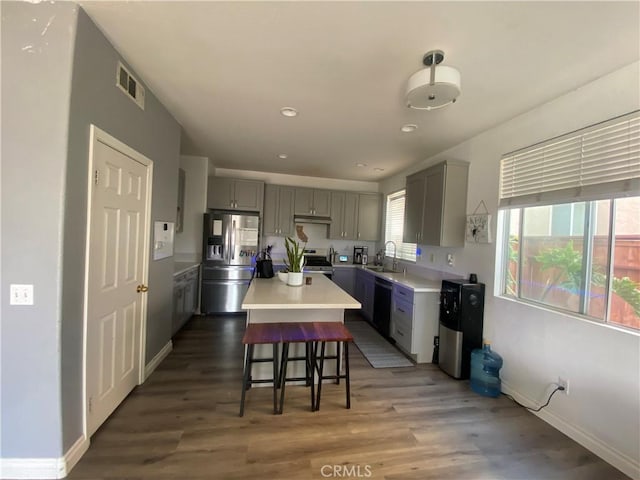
<point>435,86</point>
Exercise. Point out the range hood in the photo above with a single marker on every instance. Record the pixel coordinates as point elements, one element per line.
<point>311,219</point>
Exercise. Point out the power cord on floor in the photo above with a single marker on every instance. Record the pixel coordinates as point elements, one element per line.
<point>558,388</point>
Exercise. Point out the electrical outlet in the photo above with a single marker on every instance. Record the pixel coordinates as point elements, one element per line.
<point>562,382</point>
<point>432,257</point>
<point>450,259</point>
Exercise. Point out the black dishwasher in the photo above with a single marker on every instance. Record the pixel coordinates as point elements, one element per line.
<point>382,306</point>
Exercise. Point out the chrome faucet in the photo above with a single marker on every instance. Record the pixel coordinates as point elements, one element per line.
<point>394,265</point>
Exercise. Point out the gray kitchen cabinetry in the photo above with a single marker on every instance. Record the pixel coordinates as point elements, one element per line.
<point>278,210</point>
<point>309,201</point>
<point>235,194</point>
<point>181,195</point>
<point>185,297</point>
<point>365,292</point>
<point>369,206</point>
<point>344,216</point>
<point>414,321</point>
<point>345,278</point>
<point>435,205</point>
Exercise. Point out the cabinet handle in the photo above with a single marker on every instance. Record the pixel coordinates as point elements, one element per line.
<point>399,333</point>
<point>401,310</point>
<point>358,234</point>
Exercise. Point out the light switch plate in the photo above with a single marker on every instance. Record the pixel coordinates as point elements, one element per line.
<point>20,294</point>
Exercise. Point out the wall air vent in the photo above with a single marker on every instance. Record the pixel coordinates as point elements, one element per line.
<point>130,85</point>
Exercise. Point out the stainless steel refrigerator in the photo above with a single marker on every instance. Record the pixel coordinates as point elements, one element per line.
<point>229,248</point>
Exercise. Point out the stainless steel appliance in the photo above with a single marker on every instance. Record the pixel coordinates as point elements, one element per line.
<point>360,254</point>
<point>315,261</point>
<point>230,245</point>
<point>461,318</point>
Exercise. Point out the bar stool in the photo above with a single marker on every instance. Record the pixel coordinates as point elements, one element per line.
<point>332,332</point>
<point>260,334</point>
<point>297,332</point>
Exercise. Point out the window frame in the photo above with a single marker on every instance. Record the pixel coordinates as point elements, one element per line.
<point>401,247</point>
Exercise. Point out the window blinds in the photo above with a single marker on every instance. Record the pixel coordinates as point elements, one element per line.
<point>394,226</point>
<point>601,161</point>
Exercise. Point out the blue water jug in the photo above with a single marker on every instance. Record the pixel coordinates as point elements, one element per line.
<point>485,371</point>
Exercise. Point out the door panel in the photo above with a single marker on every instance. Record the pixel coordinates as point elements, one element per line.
<point>115,269</point>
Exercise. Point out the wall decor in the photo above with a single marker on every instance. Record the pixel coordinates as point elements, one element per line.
<point>478,227</point>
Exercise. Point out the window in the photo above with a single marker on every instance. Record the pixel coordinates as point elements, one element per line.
<point>394,226</point>
<point>571,238</point>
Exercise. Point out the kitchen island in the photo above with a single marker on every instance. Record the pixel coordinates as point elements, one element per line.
<point>271,300</point>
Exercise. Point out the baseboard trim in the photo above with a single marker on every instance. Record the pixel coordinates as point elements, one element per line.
<point>155,361</point>
<point>622,462</point>
<point>43,468</point>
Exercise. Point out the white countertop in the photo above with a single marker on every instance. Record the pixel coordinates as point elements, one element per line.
<point>181,267</point>
<point>417,284</point>
<point>272,293</point>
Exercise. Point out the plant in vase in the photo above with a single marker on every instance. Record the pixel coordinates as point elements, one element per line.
<point>295,261</point>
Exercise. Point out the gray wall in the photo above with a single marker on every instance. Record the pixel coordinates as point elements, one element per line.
<point>58,77</point>
<point>36,84</point>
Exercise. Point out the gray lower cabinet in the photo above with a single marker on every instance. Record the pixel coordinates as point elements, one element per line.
<point>235,194</point>
<point>345,278</point>
<point>435,205</point>
<point>278,211</point>
<point>185,297</point>
<point>414,321</point>
<point>365,292</point>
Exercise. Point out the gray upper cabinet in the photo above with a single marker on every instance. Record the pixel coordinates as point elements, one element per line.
<point>344,216</point>
<point>435,205</point>
<point>312,202</point>
<point>235,194</point>
<point>369,206</point>
<point>278,210</point>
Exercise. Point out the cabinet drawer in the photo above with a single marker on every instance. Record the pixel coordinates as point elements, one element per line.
<point>402,323</point>
<point>403,293</point>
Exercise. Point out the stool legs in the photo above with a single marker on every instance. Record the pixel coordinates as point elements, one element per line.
<point>245,377</point>
<point>347,376</point>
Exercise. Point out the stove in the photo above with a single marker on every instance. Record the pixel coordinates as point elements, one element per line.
<point>315,261</point>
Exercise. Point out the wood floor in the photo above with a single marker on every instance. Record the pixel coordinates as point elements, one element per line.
<point>404,423</point>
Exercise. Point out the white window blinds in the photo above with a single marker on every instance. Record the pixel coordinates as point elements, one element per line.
<point>394,225</point>
<point>596,162</point>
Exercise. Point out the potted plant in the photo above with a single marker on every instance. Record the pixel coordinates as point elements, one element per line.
<point>294,262</point>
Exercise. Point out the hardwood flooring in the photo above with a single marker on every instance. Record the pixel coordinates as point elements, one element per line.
<point>404,423</point>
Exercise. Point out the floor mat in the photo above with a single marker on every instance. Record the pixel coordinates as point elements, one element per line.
<point>378,351</point>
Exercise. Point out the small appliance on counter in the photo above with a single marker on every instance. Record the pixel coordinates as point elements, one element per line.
<point>360,255</point>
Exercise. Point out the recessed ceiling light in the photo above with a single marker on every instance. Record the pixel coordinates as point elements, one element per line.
<point>283,156</point>
<point>288,111</point>
<point>408,128</point>
<point>377,169</point>
<point>361,164</point>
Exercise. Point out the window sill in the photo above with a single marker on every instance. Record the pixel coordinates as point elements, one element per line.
<point>569,315</point>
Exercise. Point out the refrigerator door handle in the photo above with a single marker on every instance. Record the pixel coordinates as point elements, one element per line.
<point>233,239</point>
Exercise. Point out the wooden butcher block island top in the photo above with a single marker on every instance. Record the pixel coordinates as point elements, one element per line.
<point>272,293</point>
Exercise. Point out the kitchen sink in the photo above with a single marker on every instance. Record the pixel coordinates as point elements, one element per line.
<point>379,268</point>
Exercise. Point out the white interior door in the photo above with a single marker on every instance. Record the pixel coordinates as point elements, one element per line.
<point>116,260</point>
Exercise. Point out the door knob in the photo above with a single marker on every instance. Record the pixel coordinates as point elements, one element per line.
<point>142,288</point>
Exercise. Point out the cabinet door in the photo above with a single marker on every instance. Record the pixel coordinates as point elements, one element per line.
<point>303,201</point>
<point>270,213</point>
<point>345,279</point>
<point>248,195</point>
<point>336,229</point>
<point>220,193</point>
<point>369,297</point>
<point>285,211</point>
<point>187,309</point>
<point>413,208</point>
<point>350,216</point>
<point>432,219</point>
<point>322,203</point>
<point>369,216</point>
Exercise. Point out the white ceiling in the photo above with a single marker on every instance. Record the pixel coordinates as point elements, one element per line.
<point>224,70</point>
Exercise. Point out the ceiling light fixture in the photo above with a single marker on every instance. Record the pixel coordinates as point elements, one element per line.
<point>377,169</point>
<point>289,112</point>
<point>408,128</point>
<point>435,86</point>
<point>282,156</point>
<point>361,165</point>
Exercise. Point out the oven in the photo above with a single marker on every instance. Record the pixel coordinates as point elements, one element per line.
<point>316,263</point>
